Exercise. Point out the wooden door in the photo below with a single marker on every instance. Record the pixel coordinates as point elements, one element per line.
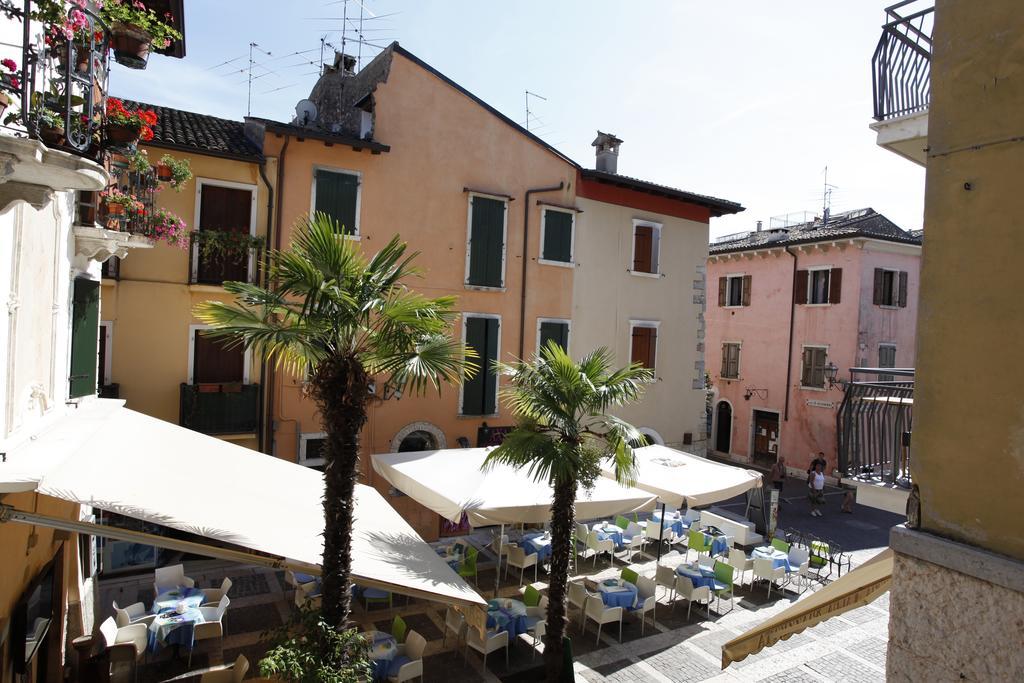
<point>766,436</point>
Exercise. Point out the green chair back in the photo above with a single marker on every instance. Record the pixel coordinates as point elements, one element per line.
<point>621,522</point>
<point>698,542</point>
<point>723,574</point>
<point>398,629</point>
<point>629,575</point>
<point>780,544</point>
<point>468,566</point>
<point>531,597</point>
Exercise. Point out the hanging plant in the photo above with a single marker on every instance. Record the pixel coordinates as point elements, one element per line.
<point>51,128</point>
<point>224,245</point>
<point>135,29</point>
<point>119,203</point>
<point>175,171</point>
<point>139,162</point>
<point>126,127</point>
<point>167,227</point>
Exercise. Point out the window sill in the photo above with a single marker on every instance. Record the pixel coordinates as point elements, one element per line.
<point>560,264</point>
<point>355,238</point>
<point>729,379</point>
<point>484,288</point>
<point>891,307</point>
<point>822,389</point>
<point>461,416</point>
<point>313,462</point>
<point>210,289</point>
<point>737,306</point>
<point>810,305</point>
<point>640,273</point>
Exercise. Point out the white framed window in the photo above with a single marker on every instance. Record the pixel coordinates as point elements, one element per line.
<point>643,342</point>
<point>818,285</point>
<point>646,252</point>
<point>220,204</point>
<point>730,360</point>
<point>478,396</point>
<point>337,192</point>
<point>486,241</point>
<point>557,237</point>
<point>311,445</point>
<point>812,372</point>
<point>553,329</point>
<point>194,343</point>
<point>886,359</point>
<point>734,290</point>
<point>890,288</point>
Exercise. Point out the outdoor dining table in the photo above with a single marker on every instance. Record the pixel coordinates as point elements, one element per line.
<point>539,543</point>
<point>606,530</point>
<point>505,614</point>
<point>451,555</point>
<point>778,558</point>
<point>177,612</point>
<point>699,576</point>
<point>673,521</point>
<point>618,593</point>
<point>383,648</point>
<point>719,544</point>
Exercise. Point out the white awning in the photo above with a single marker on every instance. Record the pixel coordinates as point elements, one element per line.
<point>676,476</point>
<point>450,482</point>
<point>116,459</point>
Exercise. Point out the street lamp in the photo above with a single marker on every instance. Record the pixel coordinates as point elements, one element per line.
<point>830,374</point>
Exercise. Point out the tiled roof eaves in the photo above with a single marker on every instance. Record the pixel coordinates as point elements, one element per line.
<point>299,131</point>
<point>188,131</point>
<point>719,207</point>
<point>255,157</point>
<point>818,237</point>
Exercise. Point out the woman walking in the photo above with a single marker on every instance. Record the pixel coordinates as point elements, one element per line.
<point>816,486</point>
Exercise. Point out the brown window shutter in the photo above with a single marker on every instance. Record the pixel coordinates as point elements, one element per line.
<point>641,343</point>
<point>835,285</point>
<point>643,241</point>
<point>747,279</point>
<point>805,369</point>
<point>725,360</point>
<point>878,296</point>
<point>800,287</point>
<point>723,284</point>
<point>903,289</point>
<point>652,347</point>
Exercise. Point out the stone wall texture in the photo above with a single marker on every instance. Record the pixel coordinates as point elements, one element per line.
<point>947,626</point>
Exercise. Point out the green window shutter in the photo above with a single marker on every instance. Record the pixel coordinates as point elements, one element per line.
<point>336,196</point>
<point>478,393</point>
<point>486,242</point>
<point>557,236</point>
<point>85,322</point>
<point>557,332</point>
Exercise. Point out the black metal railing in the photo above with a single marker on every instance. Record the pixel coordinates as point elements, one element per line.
<point>901,65</point>
<point>874,425</point>
<point>228,408</point>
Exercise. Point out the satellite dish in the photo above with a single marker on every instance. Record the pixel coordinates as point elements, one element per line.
<point>305,112</point>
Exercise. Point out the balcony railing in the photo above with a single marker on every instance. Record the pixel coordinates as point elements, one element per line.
<point>220,408</point>
<point>874,424</point>
<point>217,256</point>
<point>901,65</point>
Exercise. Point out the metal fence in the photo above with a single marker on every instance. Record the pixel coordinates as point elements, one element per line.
<point>874,424</point>
<point>901,65</point>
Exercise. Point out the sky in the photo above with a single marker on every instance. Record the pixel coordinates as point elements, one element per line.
<point>744,101</point>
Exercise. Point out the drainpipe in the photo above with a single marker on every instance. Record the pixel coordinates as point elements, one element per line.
<point>526,242</point>
<point>268,428</point>
<point>792,316</point>
<point>261,427</point>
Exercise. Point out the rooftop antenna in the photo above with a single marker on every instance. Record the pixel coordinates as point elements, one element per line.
<point>248,102</point>
<point>528,95</point>
<point>826,199</point>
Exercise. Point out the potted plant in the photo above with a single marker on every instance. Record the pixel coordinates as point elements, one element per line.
<point>135,29</point>
<point>51,128</point>
<point>126,127</point>
<point>9,77</point>
<point>139,162</point>
<point>118,203</point>
<point>175,171</point>
<point>63,27</point>
<point>169,228</point>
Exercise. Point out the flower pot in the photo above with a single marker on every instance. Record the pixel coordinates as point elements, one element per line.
<point>122,135</point>
<point>51,136</point>
<point>5,101</point>
<point>81,57</point>
<point>131,45</point>
<point>115,209</point>
<point>163,173</point>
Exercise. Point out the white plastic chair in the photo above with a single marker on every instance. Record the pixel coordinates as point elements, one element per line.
<point>304,595</point>
<point>600,547</point>
<point>647,600</point>
<point>740,562</point>
<point>494,641</point>
<point>454,622</point>
<point>601,614</point>
<point>213,595</point>
<point>125,644</point>
<point>412,650</point>
<point>666,577</point>
<point>635,540</point>
<point>232,673</point>
<point>171,577</point>
<point>578,596</point>
<point>212,625</point>
<point>134,613</point>
<point>799,561</point>
<point>518,558</point>
<point>500,546</point>
<point>536,624</point>
<point>686,590</point>
<point>763,569</point>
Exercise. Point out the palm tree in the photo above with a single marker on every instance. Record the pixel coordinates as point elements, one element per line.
<point>563,432</point>
<point>343,319</point>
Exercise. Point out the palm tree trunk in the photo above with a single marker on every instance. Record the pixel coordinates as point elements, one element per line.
<point>563,518</point>
<point>341,391</point>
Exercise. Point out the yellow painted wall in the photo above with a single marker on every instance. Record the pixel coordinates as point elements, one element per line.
<point>151,306</point>
<point>968,414</point>
<point>441,141</point>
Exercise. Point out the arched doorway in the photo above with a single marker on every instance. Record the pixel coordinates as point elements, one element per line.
<point>723,430</point>
<point>653,437</point>
<point>418,440</point>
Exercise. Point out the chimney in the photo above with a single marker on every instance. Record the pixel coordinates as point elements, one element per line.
<point>759,226</point>
<point>607,152</point>
<point>344,63</point>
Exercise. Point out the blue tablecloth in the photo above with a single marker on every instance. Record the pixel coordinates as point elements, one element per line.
<point>700,576</point>
<point>673,522</point>
<point>778,558</point>
<point>719,544</point>
<point>507,615</point>
<point>171,628</point>
<point>536,543</point>
<point>454,559</point>
<point>611,531</point>
<point>383,648</point>
<point>618,596</point>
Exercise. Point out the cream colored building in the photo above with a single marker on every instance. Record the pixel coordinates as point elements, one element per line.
<point>639,289</point>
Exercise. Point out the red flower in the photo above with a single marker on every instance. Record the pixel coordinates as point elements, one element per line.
<point>148,117</point>
<point>147,134</point>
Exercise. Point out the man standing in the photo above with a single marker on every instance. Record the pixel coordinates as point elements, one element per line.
<point>778,473</point>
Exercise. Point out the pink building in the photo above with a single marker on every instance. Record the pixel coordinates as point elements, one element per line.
<point>785,304</point>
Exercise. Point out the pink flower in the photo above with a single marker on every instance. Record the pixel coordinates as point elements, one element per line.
<point>139,5</point>
<point>15,83</point>
<point>9,64</point>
